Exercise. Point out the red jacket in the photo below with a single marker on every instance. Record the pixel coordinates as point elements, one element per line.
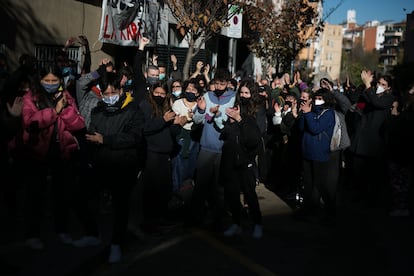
<point>68,122</point>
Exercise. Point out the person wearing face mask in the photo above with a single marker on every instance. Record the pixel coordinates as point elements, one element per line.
<point>143,80</point>
<point>241,138</point>
<point>368,144</point>
<point>88,93</point>
<point>184,162</point>
<point>316,121</point>
<point>211,111</point>
<point>127,78</point>
<point>115,135</point>
<point>50,121</point>
<point>161,127</point>
<point>176,89</point>
<point>288,150</point>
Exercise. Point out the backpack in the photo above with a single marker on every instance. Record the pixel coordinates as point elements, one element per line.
<point>340,138</point>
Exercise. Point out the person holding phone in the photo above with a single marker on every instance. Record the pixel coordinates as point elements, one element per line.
<point>316,121</point>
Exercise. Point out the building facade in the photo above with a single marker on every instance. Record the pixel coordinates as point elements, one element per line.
<point>329,63</point>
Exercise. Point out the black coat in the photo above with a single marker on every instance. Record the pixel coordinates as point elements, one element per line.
<point>369,136</point>
<point>159,135</point>
<point>241,143</point>
<point>121,127</point>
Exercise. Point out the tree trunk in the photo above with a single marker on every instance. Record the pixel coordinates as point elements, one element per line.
<point>188,59</point>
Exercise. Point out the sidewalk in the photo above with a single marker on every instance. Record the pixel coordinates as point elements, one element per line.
<point>365,242</point>
<point>60,259</point>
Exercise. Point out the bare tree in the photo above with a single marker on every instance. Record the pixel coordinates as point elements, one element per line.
<point>278,36</point>
<point>198,21</point>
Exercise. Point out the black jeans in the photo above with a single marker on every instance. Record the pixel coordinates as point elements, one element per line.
<point>157,186</point>
<point>321,181</point>
<point>242,179</point>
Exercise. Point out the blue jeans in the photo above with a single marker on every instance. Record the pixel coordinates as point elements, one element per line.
<point>184,164</point>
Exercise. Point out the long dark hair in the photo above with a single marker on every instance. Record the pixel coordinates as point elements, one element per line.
<point>251,108</point>
<point>44,99</point>
<point>156,109</point>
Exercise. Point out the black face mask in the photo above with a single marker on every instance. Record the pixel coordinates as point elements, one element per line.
<point>244,101</point>
<point>219,92</point>
<point>191,97</point>
<point>159,100</point>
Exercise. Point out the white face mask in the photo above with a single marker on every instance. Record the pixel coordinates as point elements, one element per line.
<point>111,100</point>
<point>319,102</point>
<point>380,89</point>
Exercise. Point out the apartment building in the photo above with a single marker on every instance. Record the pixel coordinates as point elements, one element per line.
<point>328,54</point>
<point>392,50</point>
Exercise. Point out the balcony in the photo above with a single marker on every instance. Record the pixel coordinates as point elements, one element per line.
<point>389,54</point>
<point>391,43</point>
<point>393,34</point>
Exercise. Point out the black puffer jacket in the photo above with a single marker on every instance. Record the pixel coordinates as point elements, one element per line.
<point>121,126</point>
<point>241,142</point>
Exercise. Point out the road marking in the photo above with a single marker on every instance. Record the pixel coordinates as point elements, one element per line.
<point>234,254</point>
<point>163,246</point>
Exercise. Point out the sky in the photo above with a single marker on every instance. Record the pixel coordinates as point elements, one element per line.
<point>368,10</point>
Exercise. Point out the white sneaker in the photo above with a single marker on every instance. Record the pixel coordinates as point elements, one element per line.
<point>233,230</point>
<point>115,254</point>
<point>87,241</point>
<point>65,238</point>
<point>35,243</point>
<point>258,231</point>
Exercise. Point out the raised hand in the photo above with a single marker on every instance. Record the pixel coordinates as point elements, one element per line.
<point>83,40</point>
<point>173,59</point>
<point>61,104</point>
<point>276,106</point>
<point>201,103</point>
<point>215,109</point>
<point>234,113</point>
<point>169,115</point>
<point>143,41</point>
<point>367,77</point>
<point>180,120</point>
<point>16,109</point>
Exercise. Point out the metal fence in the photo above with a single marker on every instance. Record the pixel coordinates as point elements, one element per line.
<point>45,55</point>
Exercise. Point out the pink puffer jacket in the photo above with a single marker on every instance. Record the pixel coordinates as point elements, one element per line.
<point>68,122</point>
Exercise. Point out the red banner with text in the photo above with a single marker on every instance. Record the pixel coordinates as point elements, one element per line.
<point>122,22</point>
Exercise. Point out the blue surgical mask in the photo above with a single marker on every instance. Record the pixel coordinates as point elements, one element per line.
<point>51,88</point>
<point>111,100</point>
<point>162,76</point>
<point>66,71</point>
<point>176,93</point>
<point>128,85</point>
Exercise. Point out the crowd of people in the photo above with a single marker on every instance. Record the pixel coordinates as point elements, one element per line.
<point>219,136</point>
